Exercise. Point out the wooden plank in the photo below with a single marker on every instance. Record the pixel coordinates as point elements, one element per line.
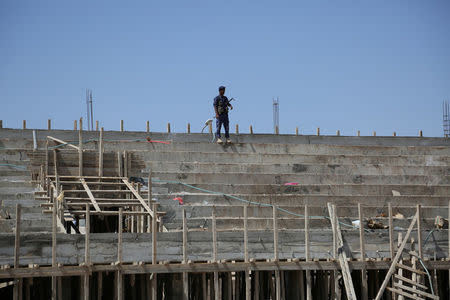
<point>401,278</point>
<point>416,291</point>
<point>350,290</point>
<point>62,142</point>
<point>391,231</point>
<point>91,196</point>
<point>403,293</point>
<point>408,268</point>
<point>396,258</point>
<point>119,275</point>
<point>307,258</point>
<point>139,197</point>
<point>100,154</point>
<point>362,249</point>
<point>119,164</point>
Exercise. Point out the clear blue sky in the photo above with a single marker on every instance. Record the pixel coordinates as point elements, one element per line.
<point>348,65</point>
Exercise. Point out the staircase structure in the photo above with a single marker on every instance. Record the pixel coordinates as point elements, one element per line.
<point>145,215</point>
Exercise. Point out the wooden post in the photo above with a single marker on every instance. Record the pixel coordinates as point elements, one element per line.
<point>185,258</point>
<point>119,255</point>
<point>394,133</point>
<point>362,247</point>
<point>391,231</point>
<point>277,130</point>
<point>49,124</point>
<point>87,253</point>
<point>80,149</point>
<point>100,286</point>
<point>121,125</point>
<point>248,295</point>
<point>296,130</point>
<point>318,131</point>
<point>96,125</point>
<point>154,253</point>
<point>147,126</point>
<point>420,133</point>
<point>419,230</point>
<point>24,124</point>
<point>1,124</point>
<point>338,133</point>
<point>308,273</point>
<point>210,128</point>
<point>214,236</point>
<point>448,240</point>
<point>359,133</point>
<point>119,164</point>
<point>275,252</point>
<point>168,127</point>
<point>374,133</point>
<point>100,153</point>
<point>54,262</point>
<point>149,198</point>
<point>237,128</point>
<point>18,282</point>
<point>251,129</point>
<point>75,125</point>
<point>188,127</point>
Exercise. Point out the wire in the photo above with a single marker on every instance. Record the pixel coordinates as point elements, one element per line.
<point>253,202</point>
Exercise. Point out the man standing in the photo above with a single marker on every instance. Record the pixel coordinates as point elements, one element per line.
<point>221,105</point>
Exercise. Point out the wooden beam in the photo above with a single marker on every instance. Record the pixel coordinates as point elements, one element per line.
<point>139,197</point>
<point>62,142</point>
<point>307,258</point>
<point>80,148</point>
<point>275,233</point>
<point>396,258</point>
<point>154,286</point>
<point>17,285</point>
<point>350,290</point>
<point>100,154</point>
<point>149,197</point>
<point>419,230</point>
<point>119,275</point>
<point>87,253</point>
<point>362,249</point>
<point>54,254</point>
<point>416,291</point>
<point>91,196</point>
<point>214,237</point>
<point>185,258</point>
<point>248,287</point>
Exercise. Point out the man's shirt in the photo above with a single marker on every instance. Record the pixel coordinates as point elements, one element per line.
<point>223,102</point>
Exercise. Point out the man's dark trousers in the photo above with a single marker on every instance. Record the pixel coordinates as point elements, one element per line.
<point>223,120</point>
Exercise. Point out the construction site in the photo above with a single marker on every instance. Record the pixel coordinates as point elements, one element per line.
<point>100,214</point>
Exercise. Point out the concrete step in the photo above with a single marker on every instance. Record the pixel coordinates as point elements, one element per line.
<point>249,178</point>
<point>203,199</point>
<point>428,160</point>
<point>317,189</point>
<point>272,148</point>
<point>197,167</point>
<point>72,135</point>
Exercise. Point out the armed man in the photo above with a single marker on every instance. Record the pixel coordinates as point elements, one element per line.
<point>221,105</point>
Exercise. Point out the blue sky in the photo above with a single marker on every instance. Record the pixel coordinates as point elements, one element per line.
<point>347,65</point>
